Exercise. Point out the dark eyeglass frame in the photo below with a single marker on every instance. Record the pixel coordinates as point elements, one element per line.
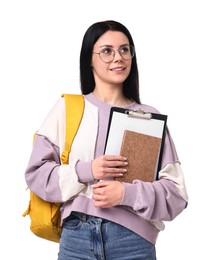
<point>119,50</point>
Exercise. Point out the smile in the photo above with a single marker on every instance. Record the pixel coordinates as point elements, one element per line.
<point>118,69</point>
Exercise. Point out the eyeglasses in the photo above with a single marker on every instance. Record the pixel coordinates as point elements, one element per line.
<point>107,55</point>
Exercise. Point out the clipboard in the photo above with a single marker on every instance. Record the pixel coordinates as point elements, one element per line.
<point>145,134</point>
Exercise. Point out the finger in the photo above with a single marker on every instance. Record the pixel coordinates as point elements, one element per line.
<point>96,197</point>
<point>114,170</point>
<point>98,185</point>
<point>113,158</point>
<point>115,163</point>
<point>100,204</point>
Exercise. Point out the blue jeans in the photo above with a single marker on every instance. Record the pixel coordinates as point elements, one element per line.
<point>90,238</point>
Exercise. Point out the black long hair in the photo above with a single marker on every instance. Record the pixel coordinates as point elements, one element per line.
<point>93,33</point>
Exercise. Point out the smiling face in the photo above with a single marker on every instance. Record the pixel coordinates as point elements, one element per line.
<point>116,71</point>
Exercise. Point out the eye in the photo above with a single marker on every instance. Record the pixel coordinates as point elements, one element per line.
<point>107,51</point>
<point>125,49</point>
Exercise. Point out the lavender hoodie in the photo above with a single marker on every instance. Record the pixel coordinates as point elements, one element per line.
<point>144,206</point>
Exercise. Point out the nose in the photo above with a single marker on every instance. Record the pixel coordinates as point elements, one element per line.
<point>117,55</point>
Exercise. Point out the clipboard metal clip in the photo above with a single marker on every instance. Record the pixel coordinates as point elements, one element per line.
<point>139,113</point>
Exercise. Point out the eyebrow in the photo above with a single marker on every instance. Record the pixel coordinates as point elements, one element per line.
<point>111,46</point>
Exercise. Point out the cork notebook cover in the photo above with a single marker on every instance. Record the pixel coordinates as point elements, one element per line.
<point>142,153</point>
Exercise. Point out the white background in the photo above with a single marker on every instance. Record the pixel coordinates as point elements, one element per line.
<point>177,57</point>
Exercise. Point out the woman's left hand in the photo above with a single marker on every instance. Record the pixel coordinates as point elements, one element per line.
<point>107,194</point>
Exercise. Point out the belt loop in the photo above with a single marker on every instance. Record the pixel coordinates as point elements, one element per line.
<point>83,217</point>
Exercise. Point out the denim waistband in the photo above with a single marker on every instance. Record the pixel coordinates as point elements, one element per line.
<point>85,217</point>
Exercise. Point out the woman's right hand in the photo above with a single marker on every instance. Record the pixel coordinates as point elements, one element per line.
<point>107,166</point>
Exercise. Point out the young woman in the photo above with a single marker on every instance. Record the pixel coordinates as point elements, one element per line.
<point>103,218</point>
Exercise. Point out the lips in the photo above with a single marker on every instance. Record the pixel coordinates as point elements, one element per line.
<point>118,69</point>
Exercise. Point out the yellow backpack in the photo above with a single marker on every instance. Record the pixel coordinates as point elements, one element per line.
<point>45,216</point>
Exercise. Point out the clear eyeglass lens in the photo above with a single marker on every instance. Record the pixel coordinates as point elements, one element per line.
<point>108,54</point>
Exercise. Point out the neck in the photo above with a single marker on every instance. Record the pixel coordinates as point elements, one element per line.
<point>112,96</point>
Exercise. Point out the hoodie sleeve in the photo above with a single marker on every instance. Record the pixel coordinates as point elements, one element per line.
<point>45,175</point>
<point>164,199</point>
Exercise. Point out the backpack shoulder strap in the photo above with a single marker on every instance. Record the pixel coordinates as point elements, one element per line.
<point>74,111</point>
